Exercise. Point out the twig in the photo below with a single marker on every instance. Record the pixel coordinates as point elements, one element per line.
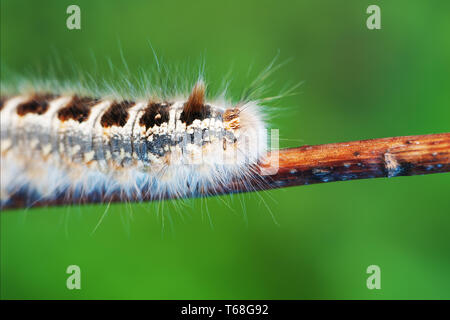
<point>365,159</point>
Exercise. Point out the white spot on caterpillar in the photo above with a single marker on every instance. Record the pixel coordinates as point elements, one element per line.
<point>88,156</point>
<point>75,150</point>
<point>34,143</point>
<point>5,145</point>
<point>46,149</point>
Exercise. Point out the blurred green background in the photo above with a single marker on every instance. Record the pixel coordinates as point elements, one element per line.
<point>358,84</point>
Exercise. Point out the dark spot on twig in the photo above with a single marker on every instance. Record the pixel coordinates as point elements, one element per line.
<point>320,171</point>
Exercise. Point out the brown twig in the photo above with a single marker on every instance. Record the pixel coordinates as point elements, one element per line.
<point>365,159</point>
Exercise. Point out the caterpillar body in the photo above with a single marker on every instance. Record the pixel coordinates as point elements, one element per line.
<point>66,148</point>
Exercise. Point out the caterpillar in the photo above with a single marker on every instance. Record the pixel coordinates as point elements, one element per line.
<point>60,148</point>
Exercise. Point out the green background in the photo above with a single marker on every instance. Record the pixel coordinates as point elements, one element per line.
<point>358,84</point>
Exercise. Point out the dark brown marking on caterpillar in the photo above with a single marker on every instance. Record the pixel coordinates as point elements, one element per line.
<point>154,113</point>
<point>196,100</point>
<point>189,117</point>
<point>117,114</point>
<point>3,100</point>
<point>38,104</point>
<point>78,109</point>
<point>195,107</point>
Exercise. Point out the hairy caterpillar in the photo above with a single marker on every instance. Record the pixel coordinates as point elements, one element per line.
<point>58,148</point>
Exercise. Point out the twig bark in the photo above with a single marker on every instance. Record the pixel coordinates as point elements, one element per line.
<point>365,159</point>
